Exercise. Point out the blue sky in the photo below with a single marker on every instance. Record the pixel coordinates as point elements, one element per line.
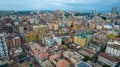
<point>100,5</point>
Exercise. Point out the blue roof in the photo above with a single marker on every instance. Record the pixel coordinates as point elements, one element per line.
<point>62,26</point>
<point>88,33</point>
<point>81,35</point>
<point>83,64</point>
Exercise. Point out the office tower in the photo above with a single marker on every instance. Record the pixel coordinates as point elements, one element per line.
<point>3,46</point>
<point>114,10</point>
<point>94,12</point>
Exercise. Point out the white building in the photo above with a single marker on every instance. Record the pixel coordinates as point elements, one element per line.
<point>107,26</point>
<point>113,48</point>
<point>3,49</point>
<point>106,59</point>
<point>3,46</point>
<point>58,40</point>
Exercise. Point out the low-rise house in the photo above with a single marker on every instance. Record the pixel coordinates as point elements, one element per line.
<point>42,57</point>
<point>62,63</point>
<point>48,42</point>
<point>87,52</point>
<point>53,57</point>
<point>58,61</point>
<point>74,57</point>
<point>47,63</point>
<point>38,52</point>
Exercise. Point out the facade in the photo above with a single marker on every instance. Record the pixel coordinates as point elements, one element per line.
<point>3,50</point>
<point>30,36</point>
<point>17,41</point>
<point>3,46</point>
<point>108,26</point>
<point>58,40</point>
<point>47,63</point>
<point>113,48</point>
<point>114,10</point>
<point>48,42</point>
<point>80,39</point>
<point>87,52</point>
<point>74,57</point>
<point>58,61</point>
<point>42,32</point>
<point>106,59</point>
<point>38,52</point>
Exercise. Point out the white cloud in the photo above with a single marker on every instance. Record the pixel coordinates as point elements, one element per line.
<point>57,4</point>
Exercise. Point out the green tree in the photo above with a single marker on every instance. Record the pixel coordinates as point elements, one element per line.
<point>111,36</point>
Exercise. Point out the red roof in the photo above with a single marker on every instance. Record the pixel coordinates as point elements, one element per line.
<point>54,56</point>
<point>42,55</point>
<point>41,48</point>
<point>33,51</point>
<point>62,63</point>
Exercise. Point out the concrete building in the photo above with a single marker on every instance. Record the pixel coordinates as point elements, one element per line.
<point>87,52</point>
<point>80,39</point>
<point>114,10</point>
<point>58,61</point>
<point>38,52</point>
<point>47,63</point>
<point>62,63</point>
<point>106,59</point>
<point>58,40</point>
<point>74,57</point>
<point>113,48</point>
<point>13,42</point>
<point>17,41</point>
<point>3,50</point>
<point>107,26</point>
<point>48,41</point>
<point>30,36</point>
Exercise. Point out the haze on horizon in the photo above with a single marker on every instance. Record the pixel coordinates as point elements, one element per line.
<point>99,5</point>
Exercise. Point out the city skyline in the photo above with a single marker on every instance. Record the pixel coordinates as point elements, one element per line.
<point>83,5</point>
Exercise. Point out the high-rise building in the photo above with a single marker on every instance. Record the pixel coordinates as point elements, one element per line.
<point>113,48</point>
<point>9,41</point>
<point>114,10</point>
<point>3,50</point>
<point>13,42</point>
<point>94,12</point>
<point>3,46</point>
<point>17,41</point>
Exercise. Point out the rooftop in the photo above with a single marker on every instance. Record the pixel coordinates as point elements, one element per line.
<point>82,64</point>
<point>108,57</point>
<point>54,56</point>
<point>42,55</point>
<point>62,63</point>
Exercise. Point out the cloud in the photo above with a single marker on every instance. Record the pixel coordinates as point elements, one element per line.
<point>58,4</point>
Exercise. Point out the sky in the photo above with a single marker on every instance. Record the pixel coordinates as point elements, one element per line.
<point>100,5</point>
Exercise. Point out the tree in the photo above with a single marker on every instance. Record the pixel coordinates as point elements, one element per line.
<point>111,36</point>
<point>86,58</point>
